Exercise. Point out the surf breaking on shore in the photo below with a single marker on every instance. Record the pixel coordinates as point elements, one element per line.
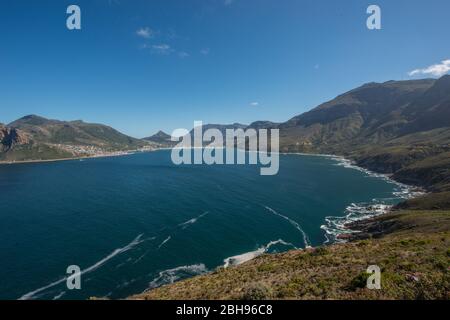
<point>241,258</point>
<point>175,274</point>
<point>172,275</point>
<point>336,226</point>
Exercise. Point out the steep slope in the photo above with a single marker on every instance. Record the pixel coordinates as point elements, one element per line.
<point>431,110</point>
<point>9,138</point>
<point>397,127</point>
<point>371,113</point>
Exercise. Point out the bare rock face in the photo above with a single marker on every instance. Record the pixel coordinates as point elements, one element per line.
<point>10,137</point>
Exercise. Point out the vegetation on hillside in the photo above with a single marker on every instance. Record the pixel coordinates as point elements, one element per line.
<point>37,138</point>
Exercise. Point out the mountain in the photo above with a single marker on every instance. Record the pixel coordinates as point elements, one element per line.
<point>162,139</point>
<point>372,113</point>
<point>36,138</point>
<point>396,127</point>
<point>401,128</point>
<point>263,125</point>
<point>221,127</point>
<point>73,132</point>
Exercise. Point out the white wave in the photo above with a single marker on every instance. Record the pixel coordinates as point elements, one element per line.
<point>402,191</point>
<point>186,224</point>
<point>171,275</point>
<point>295,224</point>
<point>140,258</point>
<point>125,283</point>
<point>335,225</point>
<point>241,258</point>
<point>136,241</point>
<point>164,242</point>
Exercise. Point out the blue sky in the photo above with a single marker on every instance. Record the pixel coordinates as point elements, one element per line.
<point>141,66</point>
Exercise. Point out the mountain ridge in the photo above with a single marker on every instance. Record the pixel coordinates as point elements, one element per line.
<point>161,138</point>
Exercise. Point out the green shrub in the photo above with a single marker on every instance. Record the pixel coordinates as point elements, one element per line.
<point>266,267</point>
<point>256,291</point>
<point>320,251</point>
<point>360,281</point>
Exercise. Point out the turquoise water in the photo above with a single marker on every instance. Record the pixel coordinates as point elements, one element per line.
<point>138,221</point>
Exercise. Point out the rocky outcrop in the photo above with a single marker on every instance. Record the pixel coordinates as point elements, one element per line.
<point>373,228</point>
<point>10,137</point>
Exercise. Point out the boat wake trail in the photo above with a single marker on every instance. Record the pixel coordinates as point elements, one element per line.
<point>295,224</point>
<point>183,226</point>
<point>131,245</point>
<point>164,242</point>
<point>186,224</point>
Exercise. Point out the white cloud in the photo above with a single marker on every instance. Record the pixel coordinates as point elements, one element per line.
<point>254,104</point>
<point>205,51</point>
<point>436,70</point>
<point>228,2</point>
<point>145,33</point>
<point>162,48</point>
<point>183,54</point>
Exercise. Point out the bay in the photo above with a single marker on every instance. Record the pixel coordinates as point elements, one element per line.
<point>138,221</point>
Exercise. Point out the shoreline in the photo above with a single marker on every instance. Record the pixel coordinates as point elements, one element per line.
<point>347,232</point>
<point>125,153</point>
<point>60,159</point>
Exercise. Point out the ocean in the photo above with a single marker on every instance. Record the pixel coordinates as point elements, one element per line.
<point>138,221</point>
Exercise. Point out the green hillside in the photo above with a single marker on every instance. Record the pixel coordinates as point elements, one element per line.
<point>37,138</point>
